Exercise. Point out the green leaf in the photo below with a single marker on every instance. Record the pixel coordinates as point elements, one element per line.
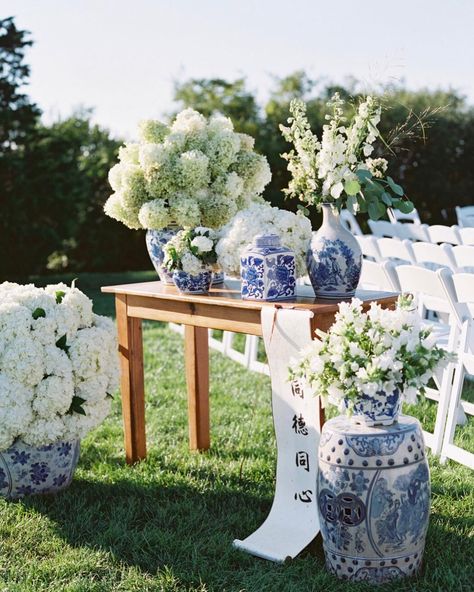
<point>405,206</point>
<point>38,312</point>
<point>352,204</point>
<point>352,187</point>
<point>61,343</point>
<point>362,204</point>
<point>386,198</point>
<point>376,210</point>
<point>303,210</point>
<point>59,296</point>
<point>363,175</point>
<point>397,189</point>
<point>76,406</point>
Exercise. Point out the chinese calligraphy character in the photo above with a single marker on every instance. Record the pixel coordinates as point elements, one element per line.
<point>304,496</point>
<point>297,389</point>
<point>299,425</point>
<point>302,460</point>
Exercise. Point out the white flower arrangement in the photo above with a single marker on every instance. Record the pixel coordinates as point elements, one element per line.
<point>294,231</point>
<point>58,364</point>
<point>196,171</point>
<point>338,169</point>
<point>191,251</point>
<point>375,353</point>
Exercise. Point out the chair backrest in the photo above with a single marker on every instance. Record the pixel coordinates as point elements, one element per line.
<point>467,235</point>
<point>430,288</point>
<point>465,216</point>
<point>382,228</point>
<point>464,289</point>
<point>379,276</point>
<point>396,250</point>
<point>350,222</point>
<point>369,246</point>
<point>396,216</point>
<point>438,233</point>
<point>464,258</point>
<point>434,256</point>
<point>416,232</point>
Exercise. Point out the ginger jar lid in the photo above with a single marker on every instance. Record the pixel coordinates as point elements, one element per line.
<point>266,241</point>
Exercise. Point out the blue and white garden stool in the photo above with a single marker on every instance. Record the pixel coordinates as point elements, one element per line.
<point>373,498</point>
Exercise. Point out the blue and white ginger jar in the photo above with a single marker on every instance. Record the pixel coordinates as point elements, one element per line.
<point>193,284</point>
<point>373,499</point>
<point>155,241</point>
<point>267,270</point>
<point>28,470</point>
<point>334,258</point>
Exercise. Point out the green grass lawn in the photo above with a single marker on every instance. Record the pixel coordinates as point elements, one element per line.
<point>167,524</point>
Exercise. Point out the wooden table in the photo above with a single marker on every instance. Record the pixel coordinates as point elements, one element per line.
<point>223,309</point>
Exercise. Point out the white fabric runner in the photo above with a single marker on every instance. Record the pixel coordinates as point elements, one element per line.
<point>293,519</point>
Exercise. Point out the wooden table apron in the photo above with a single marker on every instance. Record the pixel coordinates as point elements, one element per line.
<point>221,309</point>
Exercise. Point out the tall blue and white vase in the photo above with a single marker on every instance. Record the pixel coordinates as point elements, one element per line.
<point>373,499</point>
<point>155,241</point>
<point>29,470</point>
<point>267,270</point>
<point>334,258</point>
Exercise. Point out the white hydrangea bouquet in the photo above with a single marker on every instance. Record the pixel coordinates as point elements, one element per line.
<point>294,231</point>
<point>373,354</point>
<point>58,364</point>
<point>194,172</point>
<point>338,169</point>
<point>191,250</point>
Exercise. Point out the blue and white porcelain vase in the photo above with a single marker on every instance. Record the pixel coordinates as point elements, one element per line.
<point>378,409</point>
<point>193,284</point>
<point>217,277</point>
<point>334,258</point>
<point>155,241</point>
<point>28,470</point>
<point>267,270</point>
<point>373,499</point>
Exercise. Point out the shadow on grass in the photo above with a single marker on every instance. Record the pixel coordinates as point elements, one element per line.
<point>190,529</point>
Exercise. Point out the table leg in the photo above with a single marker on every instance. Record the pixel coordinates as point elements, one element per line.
<point>196,351</point>
<point>132,384</point>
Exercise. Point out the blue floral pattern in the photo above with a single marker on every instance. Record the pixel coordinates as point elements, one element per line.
<point>27,470</point>
<point>192,284</point>
<point>155,241</point>
<point>268,270</point>
<point>334,259</point>
<point>382,408</point>
<point>373,499</point>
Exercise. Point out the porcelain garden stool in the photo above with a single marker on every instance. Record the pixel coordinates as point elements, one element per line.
<point>373,498</point>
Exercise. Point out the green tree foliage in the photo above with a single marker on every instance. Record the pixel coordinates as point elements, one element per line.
<point>53,179</point>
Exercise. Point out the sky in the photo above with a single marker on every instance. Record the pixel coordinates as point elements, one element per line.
<point>122,57</point>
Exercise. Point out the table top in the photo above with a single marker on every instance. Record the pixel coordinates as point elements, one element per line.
<point>228,294</point>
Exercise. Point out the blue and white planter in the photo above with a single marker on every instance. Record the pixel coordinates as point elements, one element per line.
<point>267,270</point>
<point>193,284</point>
<point>334,258</point>
<point>29,470</point>
<point>377,409</point>
<point>217,277</point>
<point>373,499</point>
<point>155,241</point>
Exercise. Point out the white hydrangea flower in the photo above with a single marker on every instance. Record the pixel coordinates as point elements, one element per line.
<point>203,243</point>
<point>52,349</point>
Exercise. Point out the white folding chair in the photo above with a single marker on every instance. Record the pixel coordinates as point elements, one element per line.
<point>438,233</point>
<point>397,216</point>
<point>467,235</point>
<point>429,288</point>
<point>465,216</point>
<point>369,246</point>
<point>463,284</point>
<point>464,257</point>
<point>433,256</point>
<point>379,276</point>
<point>382,228</point>
<point>350,222</point>
<point>398,251</point>
<point>416,232</point>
